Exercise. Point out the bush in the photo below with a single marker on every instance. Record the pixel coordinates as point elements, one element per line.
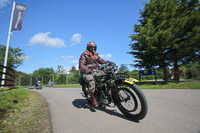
<point>192,70</point>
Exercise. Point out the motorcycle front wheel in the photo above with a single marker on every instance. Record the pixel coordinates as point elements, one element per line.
<point>131,101</point>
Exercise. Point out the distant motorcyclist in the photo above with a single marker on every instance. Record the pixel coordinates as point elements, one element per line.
<point>38,83</point>
<point>88,61</point>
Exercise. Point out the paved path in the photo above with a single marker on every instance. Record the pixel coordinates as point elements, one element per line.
<point>170,111</point>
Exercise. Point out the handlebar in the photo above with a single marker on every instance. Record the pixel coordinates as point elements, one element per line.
<point>108,67</point>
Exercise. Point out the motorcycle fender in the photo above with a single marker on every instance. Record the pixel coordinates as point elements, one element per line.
<point>118,82</point>
<point>115,90</point>
<point>130,80</point>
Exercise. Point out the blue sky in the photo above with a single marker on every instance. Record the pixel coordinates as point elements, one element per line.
<point>55,32</point>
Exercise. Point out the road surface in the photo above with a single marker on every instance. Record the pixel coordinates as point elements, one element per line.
<point>170,111</point>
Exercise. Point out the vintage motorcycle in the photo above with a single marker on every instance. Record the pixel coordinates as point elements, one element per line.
<point>125,94</point>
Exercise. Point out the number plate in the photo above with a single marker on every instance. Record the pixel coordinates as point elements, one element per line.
<point>130,80</point>
<point>122,76</point>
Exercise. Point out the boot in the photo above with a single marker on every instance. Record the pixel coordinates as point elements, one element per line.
<point>94,102</point>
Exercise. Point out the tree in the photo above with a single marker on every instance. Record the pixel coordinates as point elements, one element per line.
<point>61,75</point>
<point>15,56</point>
<point>123,68</point>
<point>23,79</point>
<point>149,45</point>
<point>44,74</point>
<point>192,70</point>
<point>73,69</point>
<point>168,34</point>
<point>185,40</point>
<point>60,70</point>
<point>74,75</point>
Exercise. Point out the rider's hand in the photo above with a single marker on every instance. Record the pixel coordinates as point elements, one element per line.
<point>88,71</point>
<point>111,63</point>
<point>92,66</point>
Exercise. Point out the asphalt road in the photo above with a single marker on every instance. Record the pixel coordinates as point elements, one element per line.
<point>170,111</point>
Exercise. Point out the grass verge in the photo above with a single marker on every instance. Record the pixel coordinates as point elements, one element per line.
<point>67,86</point>
<point>29,114</point>
<point>170,85</point>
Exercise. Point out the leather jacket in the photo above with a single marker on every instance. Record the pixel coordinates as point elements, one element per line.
<point>87,62</point>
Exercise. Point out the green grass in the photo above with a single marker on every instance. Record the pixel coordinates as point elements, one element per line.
<point>23,111</point>
<point>67,86</point>
<point>9,99</point>
<point>170,85</point>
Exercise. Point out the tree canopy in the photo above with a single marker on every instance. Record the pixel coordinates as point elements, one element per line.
<point>168,34</point>
<point>15,56</point>
<point>123,68</point>
<point>43,74</point>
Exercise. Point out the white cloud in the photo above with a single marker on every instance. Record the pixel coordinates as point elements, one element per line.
<point>105,56</point>
<point>74,61</point>
<point>67,69</point>
<point>67,57</point>
<point>76,39</point>
<point>26,57</point>
<point>44,39</point>
<point>23,58</point>
<point>64,58</point>
<point>3,3</point>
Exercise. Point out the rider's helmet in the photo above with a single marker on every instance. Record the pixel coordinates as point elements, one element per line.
<point>91,46</point>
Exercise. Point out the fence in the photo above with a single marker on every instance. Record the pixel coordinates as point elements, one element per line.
<point>9,77</point>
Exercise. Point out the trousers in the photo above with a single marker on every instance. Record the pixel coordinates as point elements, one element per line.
<point>89,78</point>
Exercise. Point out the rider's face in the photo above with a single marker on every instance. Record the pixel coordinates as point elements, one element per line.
<point>94,51</point>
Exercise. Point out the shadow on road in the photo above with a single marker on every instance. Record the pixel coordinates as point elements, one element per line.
<point>83,103</point>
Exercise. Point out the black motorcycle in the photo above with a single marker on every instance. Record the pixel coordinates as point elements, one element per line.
<point>125,94</point>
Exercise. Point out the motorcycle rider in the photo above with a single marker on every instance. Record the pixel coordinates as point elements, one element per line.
<point>36,82</point>
<point>88,61</point>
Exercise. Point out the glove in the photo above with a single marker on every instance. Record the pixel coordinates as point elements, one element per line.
<point>111,63</point>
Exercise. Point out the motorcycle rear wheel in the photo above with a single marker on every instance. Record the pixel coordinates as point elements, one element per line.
<point>131,101</point>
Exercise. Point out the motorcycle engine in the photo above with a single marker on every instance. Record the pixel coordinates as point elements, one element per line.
<point>105,101</point>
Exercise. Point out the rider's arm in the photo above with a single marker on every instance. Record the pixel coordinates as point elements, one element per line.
<point>83,65</point>
<point>102,61</point>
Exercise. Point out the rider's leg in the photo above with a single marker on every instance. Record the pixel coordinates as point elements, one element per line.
<point>92,94</point>
<point>90,79</point>
<point>92,91</point>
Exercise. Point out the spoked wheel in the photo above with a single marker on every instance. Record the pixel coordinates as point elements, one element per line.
<point>127,100</point>
<point>131,101</point>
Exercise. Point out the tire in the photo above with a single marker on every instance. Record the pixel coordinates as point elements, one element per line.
<point>131,95</point>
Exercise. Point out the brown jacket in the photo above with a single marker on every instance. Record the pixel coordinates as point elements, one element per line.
<point>88,62</point>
